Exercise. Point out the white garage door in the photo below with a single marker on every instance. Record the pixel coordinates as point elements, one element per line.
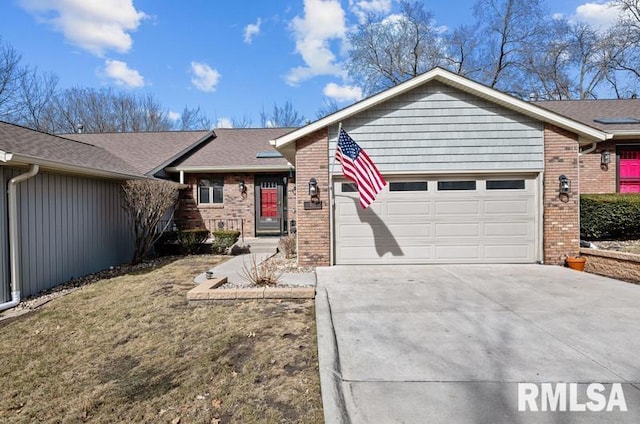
<point>439,220</point>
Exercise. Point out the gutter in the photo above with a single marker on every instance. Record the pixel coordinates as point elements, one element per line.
<point>14,236</point>
<point>17,158</point>
<point>588,149</point>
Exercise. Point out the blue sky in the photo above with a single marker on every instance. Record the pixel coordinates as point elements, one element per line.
<point>231,58</point>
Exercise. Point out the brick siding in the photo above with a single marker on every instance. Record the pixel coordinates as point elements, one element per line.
<point>561,214</point>
<point>594,178</point>
<point>234,206</point>
<point>313,225</point>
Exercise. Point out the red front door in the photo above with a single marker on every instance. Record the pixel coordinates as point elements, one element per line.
<point>629,171</point>
<point>268,202</point>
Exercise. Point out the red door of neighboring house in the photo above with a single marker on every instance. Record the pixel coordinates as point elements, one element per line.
<point>629,171</point>
<point>268,202</point>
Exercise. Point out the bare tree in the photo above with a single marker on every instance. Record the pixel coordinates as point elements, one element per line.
<point>328,107</point>
<point>106,110</point>
<point>193,119</point>
<point>242,122</point>
<point>386,51</point>
<point>281,116</point>
<point>146,201</point>
<point>11,73</point>
<point>508,28</point>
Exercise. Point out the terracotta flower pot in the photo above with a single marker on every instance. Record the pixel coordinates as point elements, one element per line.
<point>576,262</point>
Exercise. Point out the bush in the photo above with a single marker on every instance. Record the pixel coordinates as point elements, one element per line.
<point>192,241</point>
<point>224,239</point>
<point>264,274</point>
<point>610,216</point>
<point>181,242</point>
<point>167,244</point>
<point>287,245</point>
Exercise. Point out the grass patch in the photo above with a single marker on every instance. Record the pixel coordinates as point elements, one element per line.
<point>130,349</point>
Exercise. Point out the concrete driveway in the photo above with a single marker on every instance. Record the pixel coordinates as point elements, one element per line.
<point>449,344</point>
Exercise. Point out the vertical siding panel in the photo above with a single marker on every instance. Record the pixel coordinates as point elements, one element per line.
<point>69,226</point>
<point>5,291</point>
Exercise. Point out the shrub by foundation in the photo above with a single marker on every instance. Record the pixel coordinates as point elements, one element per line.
<point>610,216</point>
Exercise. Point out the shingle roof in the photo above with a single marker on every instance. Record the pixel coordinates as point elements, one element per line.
<point>59,151</point>
<point>236,148</point>
<point>586,111</point>
<point>146,151</point>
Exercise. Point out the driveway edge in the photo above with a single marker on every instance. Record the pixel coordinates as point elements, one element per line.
<point>333,401</point>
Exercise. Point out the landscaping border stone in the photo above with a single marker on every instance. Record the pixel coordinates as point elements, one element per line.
<point>619,265</point>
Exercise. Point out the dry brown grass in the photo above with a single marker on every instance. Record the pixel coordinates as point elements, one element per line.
<point>129,349</point>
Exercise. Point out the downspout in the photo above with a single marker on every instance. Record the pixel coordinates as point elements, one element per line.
<point>13,235</point>
<point>588,150</point>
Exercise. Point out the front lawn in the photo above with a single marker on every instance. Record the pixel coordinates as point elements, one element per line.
<point>130,349</point>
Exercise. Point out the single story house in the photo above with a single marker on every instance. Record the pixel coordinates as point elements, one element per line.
<point>235,178</point>
<point>61,216</point>
<point>612,166</point>
<point>475,176</point>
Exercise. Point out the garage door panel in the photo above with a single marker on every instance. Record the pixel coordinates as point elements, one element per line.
<point>450,207</point>
<point>457,229</point>
<point>508,207</point>
<point>457,252</point>
<point>408,208</point>
<point>508,229</point>
<point>448,226</point>
<point>515,252</point>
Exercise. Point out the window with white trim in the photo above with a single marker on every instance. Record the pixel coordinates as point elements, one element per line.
<point>210,190</point>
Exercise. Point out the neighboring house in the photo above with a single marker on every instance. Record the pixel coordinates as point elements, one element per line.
<point>68,220</point>
<point>613,165</point>
<point>236,179</point>
<point>474,177</point>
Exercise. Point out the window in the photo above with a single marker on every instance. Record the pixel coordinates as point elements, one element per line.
<point>348,188</point>
<point>505,185</point>
<point>408,186</point>
<point>456,185</point>
<point>210,190</point>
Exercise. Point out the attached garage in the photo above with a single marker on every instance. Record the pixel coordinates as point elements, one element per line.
<point>448,219</point>
<point>473,178</point>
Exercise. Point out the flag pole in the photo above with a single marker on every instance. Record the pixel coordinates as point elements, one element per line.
<point>332,200</point>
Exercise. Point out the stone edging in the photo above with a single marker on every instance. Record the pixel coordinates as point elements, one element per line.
<point>209,292</point>
<point>624,256</point>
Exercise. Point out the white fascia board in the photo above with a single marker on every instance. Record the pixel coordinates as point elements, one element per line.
<point>459,82</point>
<point>73,169</point>
<point>254,168</point>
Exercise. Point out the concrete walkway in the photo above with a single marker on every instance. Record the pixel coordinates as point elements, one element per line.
<point>449,344</point>
<point>263,248</point>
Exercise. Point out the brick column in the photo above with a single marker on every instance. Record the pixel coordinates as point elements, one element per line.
<point>313,225</point>
<point>561,214</point>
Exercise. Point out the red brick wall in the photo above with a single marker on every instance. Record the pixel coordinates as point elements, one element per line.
<point>313,225</point>
<point>234,204</point>
<point>561,213</point>
<point>593,178</point>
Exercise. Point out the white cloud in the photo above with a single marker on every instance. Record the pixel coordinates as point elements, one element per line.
<point>205,78</point>
<point>224,123</point>
<point>122,74</point>
<point>362,8</point>
<point>323,21</point>
<point>599,15</point>
<point>343,93</point>
<point>251,31</point>
<point>174,116</point>
<point>95,26</point>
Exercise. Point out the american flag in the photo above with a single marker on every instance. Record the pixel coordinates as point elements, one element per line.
<point>359,168</point>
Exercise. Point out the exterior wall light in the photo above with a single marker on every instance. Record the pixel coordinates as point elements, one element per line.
<point>565,184</point>
<point>242,187</point>
<point>605,159</point>
<point>314,190</point>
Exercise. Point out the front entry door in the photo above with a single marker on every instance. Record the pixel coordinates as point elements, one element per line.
<point>270,200</point>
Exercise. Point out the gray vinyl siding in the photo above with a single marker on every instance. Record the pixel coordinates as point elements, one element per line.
<point>437,128</point>
<point>70,226</point>
<point>5,289</point>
